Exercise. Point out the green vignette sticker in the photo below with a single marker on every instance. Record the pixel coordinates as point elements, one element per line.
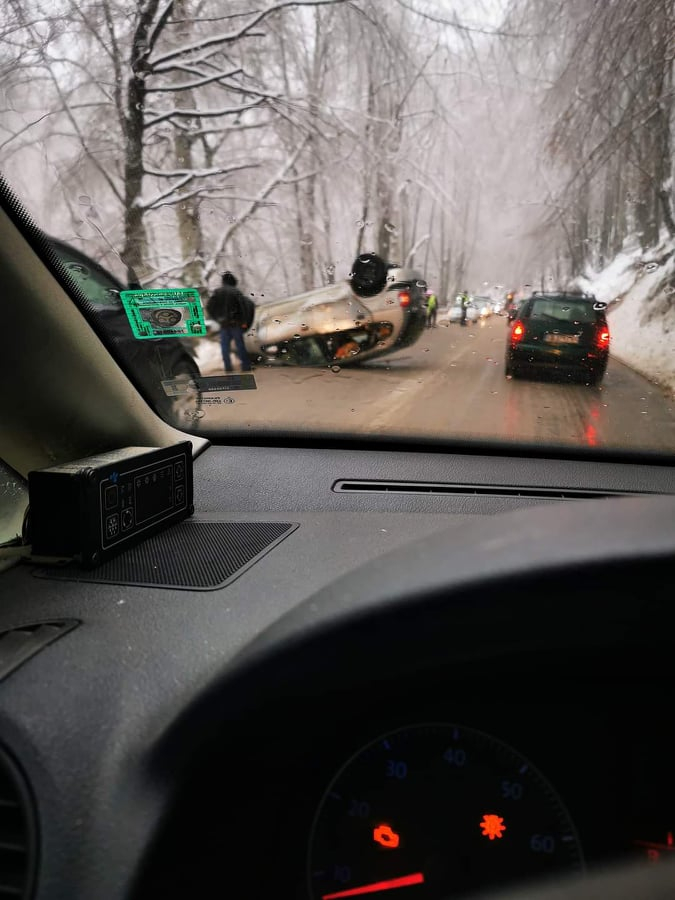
<point>159,313</point>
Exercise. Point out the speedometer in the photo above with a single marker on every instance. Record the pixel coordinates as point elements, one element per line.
<point>437,811</point>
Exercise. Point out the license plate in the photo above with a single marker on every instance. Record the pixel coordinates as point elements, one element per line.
<point>561,338</point>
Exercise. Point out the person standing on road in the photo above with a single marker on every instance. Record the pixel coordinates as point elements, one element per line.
<point>432,309</point>
<point>464,300</point>
<point>228,306</point>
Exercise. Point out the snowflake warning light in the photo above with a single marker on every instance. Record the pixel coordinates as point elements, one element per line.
<point>492,826</point>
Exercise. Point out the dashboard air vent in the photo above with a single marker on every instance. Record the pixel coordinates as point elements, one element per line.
<point>17,834</point>
<point>482,490</point>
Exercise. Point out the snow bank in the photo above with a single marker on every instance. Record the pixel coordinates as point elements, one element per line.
<point>640,290</point>
<point>208,356</point>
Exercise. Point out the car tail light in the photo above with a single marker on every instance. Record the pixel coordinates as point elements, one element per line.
<point>602,338</point>
<point>517,332</point>
<point>404,298</point>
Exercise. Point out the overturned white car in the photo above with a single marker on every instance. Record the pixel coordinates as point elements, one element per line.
<point>379,309</point>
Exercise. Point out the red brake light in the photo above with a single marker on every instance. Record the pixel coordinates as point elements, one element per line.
<point>404,298</point>
<point>517,332</point>
<point>603,337</point>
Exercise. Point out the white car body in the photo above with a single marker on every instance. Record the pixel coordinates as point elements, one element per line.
<point>454,313</point>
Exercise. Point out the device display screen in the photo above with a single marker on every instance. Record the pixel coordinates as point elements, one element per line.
<point>153,493</point>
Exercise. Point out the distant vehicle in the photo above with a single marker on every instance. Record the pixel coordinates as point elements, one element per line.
<point>564,334</point>
<point>378,310</point>
<point>150,361</point>
<point>512,304</point>
<point>454,313</point>
<point>483,305</point>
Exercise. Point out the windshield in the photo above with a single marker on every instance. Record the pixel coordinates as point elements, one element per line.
<point>321,218</point>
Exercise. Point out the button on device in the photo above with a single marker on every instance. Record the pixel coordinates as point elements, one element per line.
<point>111,496</point>
<point>180,494</point>
<point>112,525</point>
<point>127,518</point>
<point>179,471</point>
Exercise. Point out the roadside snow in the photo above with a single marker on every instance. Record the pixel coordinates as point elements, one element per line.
<point>208,356</point>
<point>638,286</point>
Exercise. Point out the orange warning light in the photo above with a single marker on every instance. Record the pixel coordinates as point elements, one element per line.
<point>386,837</point>
<point>492,826</point>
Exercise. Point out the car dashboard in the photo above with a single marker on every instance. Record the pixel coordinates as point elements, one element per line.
<point>451,674</point>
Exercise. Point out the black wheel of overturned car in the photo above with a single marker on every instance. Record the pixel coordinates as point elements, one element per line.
<point>369,275</point>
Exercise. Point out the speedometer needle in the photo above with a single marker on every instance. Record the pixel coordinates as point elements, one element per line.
<point>376,886</point>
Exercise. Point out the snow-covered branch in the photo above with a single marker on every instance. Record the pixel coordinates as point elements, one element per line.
<point>237,34</point>
<point>176,113</point>
<point>160,24</point>
<point>162,199</point>
<point>191,85</point>
<point>195,173</point>
<point>415,247</point>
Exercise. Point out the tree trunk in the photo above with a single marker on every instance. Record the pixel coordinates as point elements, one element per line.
<point>329,264</point>
<point>135,239</point>
<point>367,162</point>
<point>187,211</point>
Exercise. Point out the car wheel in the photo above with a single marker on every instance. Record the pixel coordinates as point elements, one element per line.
<point>595,376</point>
<point>510,369</point>
<point>184,409</point>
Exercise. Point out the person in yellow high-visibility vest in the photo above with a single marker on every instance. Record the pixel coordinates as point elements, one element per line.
<point>432,309</point>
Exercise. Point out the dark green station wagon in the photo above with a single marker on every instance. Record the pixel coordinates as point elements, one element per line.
<point>564,334</point>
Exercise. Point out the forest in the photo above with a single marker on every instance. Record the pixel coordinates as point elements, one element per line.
<point>498,142</point>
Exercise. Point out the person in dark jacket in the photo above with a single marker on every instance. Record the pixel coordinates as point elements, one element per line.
<point>228,306</point>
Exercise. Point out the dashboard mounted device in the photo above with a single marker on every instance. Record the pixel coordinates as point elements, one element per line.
<point>94,508</point>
